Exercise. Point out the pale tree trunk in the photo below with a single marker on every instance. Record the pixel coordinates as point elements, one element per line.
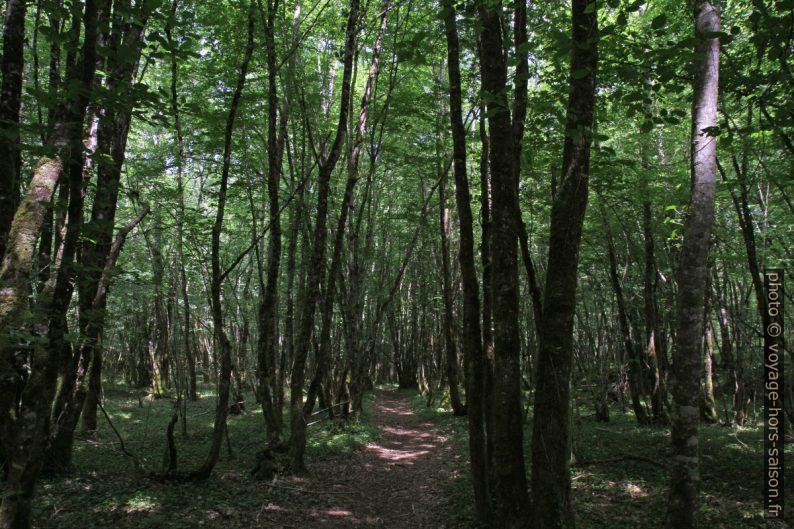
<point>682,511</point>
<point>551,434</point>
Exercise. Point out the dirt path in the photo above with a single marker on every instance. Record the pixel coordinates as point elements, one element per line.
<point>400,481</point>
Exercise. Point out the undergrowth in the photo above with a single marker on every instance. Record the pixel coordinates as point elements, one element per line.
<point>620,477</point>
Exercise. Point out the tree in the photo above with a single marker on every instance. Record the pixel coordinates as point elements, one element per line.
<point>508,486</point>
<point>10,103</point>
<point>316,270</point>
<point>472,339</point>
<point>682,511</point>
<point>219,333</point>
<point>551,434</point>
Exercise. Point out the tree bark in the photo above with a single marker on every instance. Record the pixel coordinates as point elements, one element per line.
<point>10,104</point>
<point>682,509</point>
<point>268,320</point>
<point>25,429</point>
<point>318,251</point>
<point>509,485</point>
<point>551,435</point>
<point>221,339</point>
<point>472,339</point>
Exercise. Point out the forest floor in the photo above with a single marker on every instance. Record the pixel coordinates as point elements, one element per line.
<point>393,469</point>
<point>402,465</point>
<point>620,474</point>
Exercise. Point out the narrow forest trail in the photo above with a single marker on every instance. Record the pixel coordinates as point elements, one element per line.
<point>398,481</point>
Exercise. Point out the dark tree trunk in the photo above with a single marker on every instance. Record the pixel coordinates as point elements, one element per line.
<point>10,104</point>
<point>320,380</point>
<point>509,485</point>
<point>112,134</point>
<point>25,430</point>
<point>635,371</point>
<point>682,512</point>
<point>318,251</point>
<point>187,343</point>
<point>551,435</point>
<point>268,320</point>
<point>221,339</point>
<point>471,339</point>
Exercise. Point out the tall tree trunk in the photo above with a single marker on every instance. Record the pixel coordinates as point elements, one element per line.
<point>25,429</point>
<point>187,342</point>
<point>551,434</point>
<point>323,357</point>
<point>10,104</point>
<point>692,269</point>
<point>221,339</point>
<point>268,320</point>
<point>471,339</point>
<point>318,250</point>
<point>520,82</point>
<point>112,131</point>
<point>509,486</point>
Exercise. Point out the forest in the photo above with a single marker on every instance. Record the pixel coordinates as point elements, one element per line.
<point>396,263</point>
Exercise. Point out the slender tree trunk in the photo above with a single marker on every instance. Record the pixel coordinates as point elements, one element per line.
<point>551,435</point>
<point>10,104</point>
<point>450,349</point>
<point>187,343</point>
<point>652,328</point>
<point>682,512</point>
<point>509,485</point>
<point>471,339</point>
<point>323,358</point>
<point>268,320</point>
<point>636,386</point>
<point>221,339</point>
<point>318,250</point>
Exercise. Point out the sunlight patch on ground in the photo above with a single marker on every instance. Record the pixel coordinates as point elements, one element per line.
<point>338,513</point>
<point>139,502</point>
<point>634,490</point>
<point>396,455</point>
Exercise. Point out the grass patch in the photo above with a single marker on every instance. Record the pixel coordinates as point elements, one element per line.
<point>104,490</point>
